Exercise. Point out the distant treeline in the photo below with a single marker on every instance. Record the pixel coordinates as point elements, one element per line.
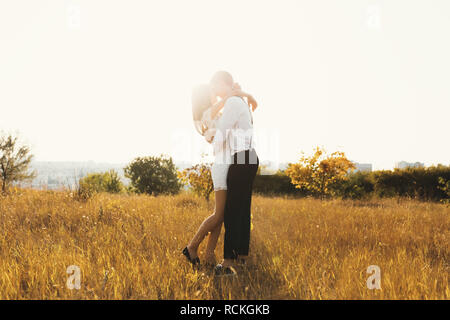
<point>429,183</point>
<point>321,175</point>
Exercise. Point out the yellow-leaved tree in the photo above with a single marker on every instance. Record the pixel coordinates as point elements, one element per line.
<point>199,179</point>
<point>321,172</point>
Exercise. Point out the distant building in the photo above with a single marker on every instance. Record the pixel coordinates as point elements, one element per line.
<point>404,165</point>
<point>363,166</point>
<point>57,174</point>
<point>366,167</point>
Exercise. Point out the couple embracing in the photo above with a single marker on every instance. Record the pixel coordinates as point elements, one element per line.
<point>228,125</point>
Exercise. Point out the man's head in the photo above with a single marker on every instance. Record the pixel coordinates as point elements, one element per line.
<point>221,83</point>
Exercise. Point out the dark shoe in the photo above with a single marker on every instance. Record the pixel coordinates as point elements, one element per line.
<point>221,271</point>
<point>195,261</point>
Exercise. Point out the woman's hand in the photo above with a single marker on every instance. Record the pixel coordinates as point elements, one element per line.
<point>252,102</point>
<point>209,135</point>
<point>237,91</point>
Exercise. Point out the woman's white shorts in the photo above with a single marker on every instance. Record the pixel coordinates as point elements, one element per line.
<point>219,173</point>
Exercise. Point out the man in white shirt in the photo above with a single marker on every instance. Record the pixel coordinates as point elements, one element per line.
<point>235,127</point>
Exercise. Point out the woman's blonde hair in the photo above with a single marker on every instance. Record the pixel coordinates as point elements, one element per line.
<point>201,101</point>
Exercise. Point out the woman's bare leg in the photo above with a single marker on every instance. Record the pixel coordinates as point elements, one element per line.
<point>210,224</point>
<point>214,235</point>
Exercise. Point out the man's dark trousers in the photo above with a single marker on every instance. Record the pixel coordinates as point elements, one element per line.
<point>241,175</point>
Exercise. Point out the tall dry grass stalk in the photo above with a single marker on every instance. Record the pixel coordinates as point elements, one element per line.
<point>128,247</point>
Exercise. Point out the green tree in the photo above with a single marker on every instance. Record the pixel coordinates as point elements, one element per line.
<point>101,182</point>
<point>153,175</point>
<point>15,160</point>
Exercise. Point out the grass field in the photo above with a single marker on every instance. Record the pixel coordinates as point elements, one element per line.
<point>128,247</point>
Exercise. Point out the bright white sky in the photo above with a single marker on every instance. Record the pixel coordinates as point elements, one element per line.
<point>111,80</point>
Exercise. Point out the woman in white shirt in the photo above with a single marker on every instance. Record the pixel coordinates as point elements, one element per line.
<point>206,112</point>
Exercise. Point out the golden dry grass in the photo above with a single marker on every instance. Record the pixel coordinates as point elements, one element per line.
<point>128,247</point>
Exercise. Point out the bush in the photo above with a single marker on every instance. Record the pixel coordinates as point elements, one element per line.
<point>358,186</point>
<point>99,182</point>
<point>276,184</point>
<point>430,184</point>
<point>321,172</point>
<point>112,182</point>
<point>419,183</point>
<point>153,175</point>
<point>444,185</point>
